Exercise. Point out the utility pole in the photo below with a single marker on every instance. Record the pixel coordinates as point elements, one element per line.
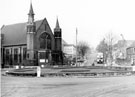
<point>76,45</point>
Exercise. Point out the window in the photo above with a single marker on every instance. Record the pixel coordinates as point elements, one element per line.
<point>16,55</point>
<point>57,34</point>
<point>42,55</point>
<point>7,56</point>
<point>28,56</point>
<point>24,53</point>
<point>45,41</point>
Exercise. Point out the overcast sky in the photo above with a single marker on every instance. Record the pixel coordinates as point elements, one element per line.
<point>93,18</point>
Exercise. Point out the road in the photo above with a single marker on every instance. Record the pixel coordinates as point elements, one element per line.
<point>68,87</point>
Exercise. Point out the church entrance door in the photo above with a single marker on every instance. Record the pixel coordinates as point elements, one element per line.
<point>44,57</point>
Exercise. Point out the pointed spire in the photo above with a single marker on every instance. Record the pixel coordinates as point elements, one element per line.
<point>31,12</point>
<point>57,24</point>
<point>31,15</point>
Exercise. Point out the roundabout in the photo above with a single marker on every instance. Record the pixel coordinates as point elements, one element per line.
<point>89,71</point>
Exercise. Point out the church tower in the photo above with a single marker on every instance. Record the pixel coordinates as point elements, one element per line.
<point>31,27</point>
<point>58,44</point>
<point>58,37</point>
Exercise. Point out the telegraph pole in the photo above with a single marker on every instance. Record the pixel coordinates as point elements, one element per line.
<point>76,45</point>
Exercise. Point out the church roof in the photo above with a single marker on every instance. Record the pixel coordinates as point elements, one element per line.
<point>15,34</point>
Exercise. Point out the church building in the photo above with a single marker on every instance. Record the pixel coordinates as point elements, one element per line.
<point>32,43</point>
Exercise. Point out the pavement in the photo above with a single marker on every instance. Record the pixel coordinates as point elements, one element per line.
<point>67,87</point>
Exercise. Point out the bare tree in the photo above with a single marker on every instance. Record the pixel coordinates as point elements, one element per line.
<point>111,40</point>
<point>82,49</point>
<point>106,46</point>
<point>103,47</point>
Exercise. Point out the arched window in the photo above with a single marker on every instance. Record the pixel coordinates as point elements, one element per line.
<point>45,41</point>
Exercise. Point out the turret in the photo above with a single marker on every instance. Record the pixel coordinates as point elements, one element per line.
<point>31,24</point>
<point>30,34</point>
<point>58,37</point>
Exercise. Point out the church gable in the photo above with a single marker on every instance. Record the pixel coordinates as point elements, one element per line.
<point>44,28</point>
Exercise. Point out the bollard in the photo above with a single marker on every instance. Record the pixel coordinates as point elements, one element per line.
<point>16,67</point>
<point>6,72</point>
<point>38,71</point>
<point>42,66</point>
<point>22,66</point>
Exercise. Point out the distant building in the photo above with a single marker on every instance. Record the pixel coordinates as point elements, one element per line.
<point>131,52</point>
<point>124,52</point>
<point>120,50</point>
<point>69,50</point>
<point>31,43</point>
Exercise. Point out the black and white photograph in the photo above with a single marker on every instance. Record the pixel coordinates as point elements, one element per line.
<point>67,48</point>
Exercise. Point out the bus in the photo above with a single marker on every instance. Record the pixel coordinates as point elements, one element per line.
<point>100,58</point>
